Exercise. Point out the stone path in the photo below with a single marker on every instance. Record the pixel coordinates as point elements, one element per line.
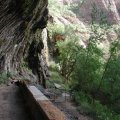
<point>12,105</point>
<point>66,105</point>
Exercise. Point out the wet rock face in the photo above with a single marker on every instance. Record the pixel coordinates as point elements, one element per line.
<point>21,25</point>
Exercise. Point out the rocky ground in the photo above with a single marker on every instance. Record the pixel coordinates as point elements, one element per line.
<point>66,105</point>
<point>70,110</point>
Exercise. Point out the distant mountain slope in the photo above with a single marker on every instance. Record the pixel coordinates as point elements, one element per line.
<point>107,6</point>
<point>110,7</point>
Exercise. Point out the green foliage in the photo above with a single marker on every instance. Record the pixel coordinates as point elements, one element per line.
<point>88,71</point>
<point>104,113</point>
<point>64,30</point>
<point>98,15</point>
<point>94,107</point>
<point>55,75</point>
<point>57,9</point>
<point>54,7</point>
<point>56,29</point>
<point>68,51</point>
<point>111,78</point>
<point>91,75</point>
<point>83,66</point>
<point>4,77</point>
<point>24,64</point>
<point>76,6</point>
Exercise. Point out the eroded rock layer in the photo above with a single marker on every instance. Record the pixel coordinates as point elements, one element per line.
<point>21,45</point>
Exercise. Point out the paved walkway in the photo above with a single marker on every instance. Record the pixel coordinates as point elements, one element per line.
<point>12,105</point>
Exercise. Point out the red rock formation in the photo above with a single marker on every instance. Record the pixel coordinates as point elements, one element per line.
<point>59,37</point>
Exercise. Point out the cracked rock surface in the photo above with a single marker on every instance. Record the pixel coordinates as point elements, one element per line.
<point>21,41</point>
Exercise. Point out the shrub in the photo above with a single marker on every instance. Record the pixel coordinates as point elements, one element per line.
<point>94,108</point>
<point>4,77</point>
<point>56,29</point>
<point>88,71</point>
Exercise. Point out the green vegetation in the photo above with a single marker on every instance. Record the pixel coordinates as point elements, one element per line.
<point>56,77</point>
<point>56,29</point>
<point>58,9</point>
<point>91,72</point>
<point>94,79</point>
<point>4,77</point>
<point>94,109</point>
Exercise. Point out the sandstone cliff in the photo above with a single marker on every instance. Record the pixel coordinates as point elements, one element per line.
<point>21,44</point>
<point>109,7</point>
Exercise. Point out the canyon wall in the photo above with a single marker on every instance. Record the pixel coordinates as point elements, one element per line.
<point>21,40</point>
<point>111,8</point>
